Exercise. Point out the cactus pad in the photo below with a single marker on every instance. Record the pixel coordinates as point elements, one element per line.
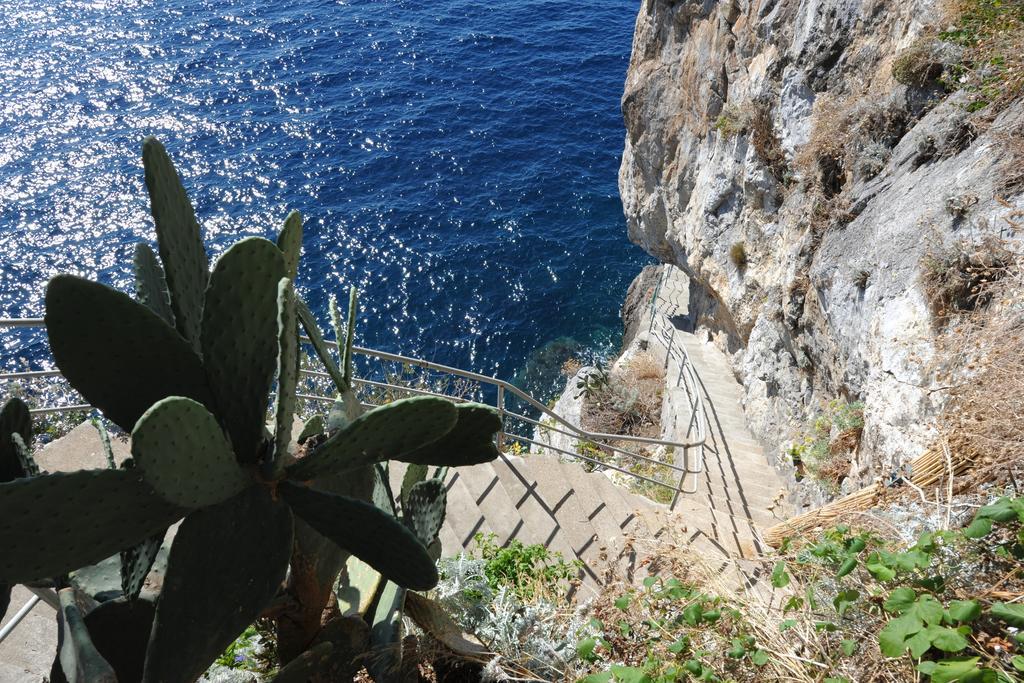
<point>150,284</point>
<point>385,633</point>
<point>314,426</point>
<point>177,233</point>
<point>100,581</point>
<point>54,523</point>
<point>414,474</point>
<point>14,419</point>
<point>136,563</point>
<point>367,532</point>
<point>470,442</point>
<point>357,587</point>
<point>182,453</point>
<point>78,657</point>
<point>25,457</point>
<point>116,352</point>
<point>239,338</point>
<point>227,563</point>
<point>424,512</point>
<point>385,433</point>
<point>287,365</point>
<point>119,631</point>
<point>319,345</point>
<point>289,241</point>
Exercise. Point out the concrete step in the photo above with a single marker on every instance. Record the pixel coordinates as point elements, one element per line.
<point>609,536</point>
<point>491,499</point>
<point>521,486</point>
<point>464,516</point>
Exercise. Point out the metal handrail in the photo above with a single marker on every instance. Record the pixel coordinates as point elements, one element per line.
<point>502,388</point>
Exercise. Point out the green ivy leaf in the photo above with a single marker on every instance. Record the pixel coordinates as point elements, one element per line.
<point>602,677</point>
<point>1011,614</point>
<point>959,669</point>
<point>1018,662</point>
<point>622,602</point>
<point>845,600</point>
<point>878,569</point>
<point>918,644</point>
<point>979,528</point>
<point>964,611</point>
<point>928,609</point>
<point>946,639</point>
<point>892,639</point>
<point>630,674</point>
<point>855,545</point>
<point>712,615</point>
<point>692,614</point>
<point>585,649</point>
<point>795,602</point>
<point>787,624</point>
<point>900,600</point>
<point>759,658</point>
<point>680,645</point>
<point>780,578</point>
<point>848,565</point>
<point>1003,510</point>
<point>910,560</point>
<point>848,647</point>
<point>737,650</point>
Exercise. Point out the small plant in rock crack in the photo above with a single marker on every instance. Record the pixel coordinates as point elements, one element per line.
<point>530,571</point>
<point>593,383</point>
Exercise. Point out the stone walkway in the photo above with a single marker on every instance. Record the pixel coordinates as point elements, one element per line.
<point>738,492</point>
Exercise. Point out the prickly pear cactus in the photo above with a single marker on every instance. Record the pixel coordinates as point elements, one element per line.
<point>191,381</point>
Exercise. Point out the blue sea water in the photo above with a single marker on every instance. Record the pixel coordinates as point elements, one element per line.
<point>456,160</point>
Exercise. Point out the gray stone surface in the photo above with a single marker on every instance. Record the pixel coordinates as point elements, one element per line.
<point>796,325</point>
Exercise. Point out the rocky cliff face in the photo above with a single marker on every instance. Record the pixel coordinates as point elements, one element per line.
<point>811,196</point>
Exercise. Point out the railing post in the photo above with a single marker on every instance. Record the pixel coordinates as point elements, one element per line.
<point>501,414</point>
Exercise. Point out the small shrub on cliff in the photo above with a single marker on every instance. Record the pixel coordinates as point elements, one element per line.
<point>732,121</point>
<point>738,255</point>
<point>982,354</point>
<point>824,449</point>
<point>766,142</point>
<point>959,278</point>
<point>920,63</point>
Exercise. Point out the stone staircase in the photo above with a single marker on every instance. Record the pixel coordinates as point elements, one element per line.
<point>584,515</point>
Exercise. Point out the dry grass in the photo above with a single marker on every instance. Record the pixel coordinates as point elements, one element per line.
<point>982,420</point>
<point>631,402</point>
<point>920,63</point>
<point>738,255</point>
<point>850,138</point>
<point>959,278</point>
<point>766,140</point>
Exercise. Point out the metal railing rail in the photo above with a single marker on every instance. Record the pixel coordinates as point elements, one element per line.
<point>551,421</point>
